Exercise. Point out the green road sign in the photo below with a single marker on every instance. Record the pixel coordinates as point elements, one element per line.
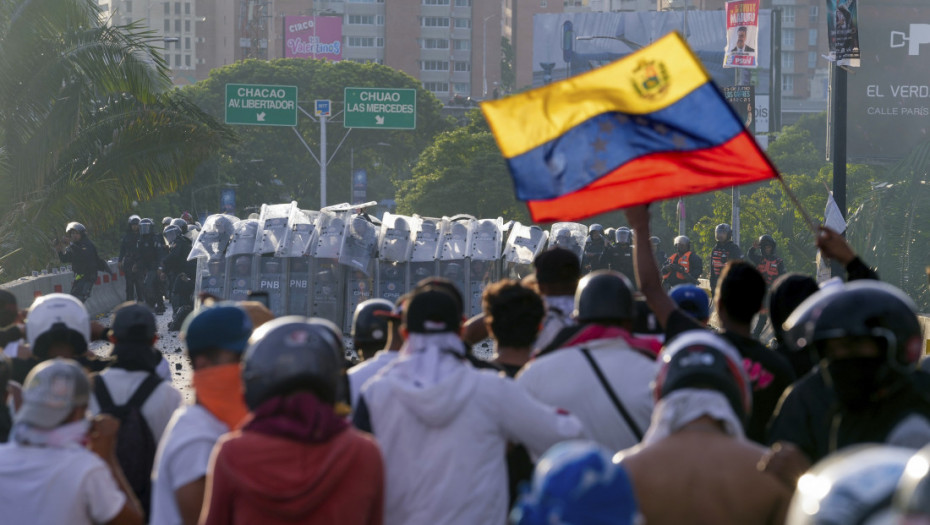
<point>261,105</point>
<point>380,108</point>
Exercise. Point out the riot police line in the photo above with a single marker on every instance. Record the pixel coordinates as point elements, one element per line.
<point>324,263</point>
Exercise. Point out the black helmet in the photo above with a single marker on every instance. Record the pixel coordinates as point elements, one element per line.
<point>367,326</point>
<point>604,294</point>
<point>787,292</point>
<point>75,227</point>
<point>655,241</point>
<point>134,220</point>
<point>767,240</point>
<point>681,239</point>
<point>701,359</point>
<point>181,224</point>
<point>171,233</point>
<point>145,226</point>
<point>610,233</point>
<point>288,353</point>
<point>624,235</point>
<point>860,308</point>
<point>165,221</point>
<point>596,228</point>
<point>723,232</point>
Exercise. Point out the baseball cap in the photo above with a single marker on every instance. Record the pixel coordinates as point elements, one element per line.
<point>432,311</point>
<point>396,313</point>
<point>51,392</point>
<point>557,265</point>
<point>692,300</point>
<point>133,322</point>
<point>224,325</point>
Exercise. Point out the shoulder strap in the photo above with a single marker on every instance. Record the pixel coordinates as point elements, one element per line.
<point>613,396</point>
<point>144,391</point>
<point>104,400</point>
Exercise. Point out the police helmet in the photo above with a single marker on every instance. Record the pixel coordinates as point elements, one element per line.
<point>290,353</point>
<point>854,485</point>
<point>701,359</point>
<point>577,482</point>
<point>767,240</point>
<point>57,317</point>
<point>171,234</point>
<point>723,232</point>
<point>368,326</point>
<point>610,233</point>
<point>682,240</point>
<point>165,221</point>
<point>134,220</point>
<point>596,228</point>
<point>145,226</point>
<point>181,224</point>
<point>691,299</point>
<point>75,227</point>
<point>604,295</point>
<point>624,235</point>
<point>655,241</point>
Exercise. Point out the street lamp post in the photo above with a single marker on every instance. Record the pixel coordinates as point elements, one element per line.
<point>484,55</point>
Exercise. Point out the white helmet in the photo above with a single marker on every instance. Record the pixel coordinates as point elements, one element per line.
<point>54,308</point>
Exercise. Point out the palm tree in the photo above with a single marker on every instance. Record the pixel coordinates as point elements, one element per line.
<point>88,124</point>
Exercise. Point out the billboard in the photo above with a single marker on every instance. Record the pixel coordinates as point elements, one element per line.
<point>889,96</point>
<point>742,34</point>
<point>313,37</point>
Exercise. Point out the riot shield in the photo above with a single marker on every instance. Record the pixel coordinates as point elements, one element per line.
<point>274,226</point>
<point>326,274</point>
<point>239,260</point>
<point>211,278</point>
<point>212,241</point>
<point>394,249</point>
<point>298,285</point>
<point>357,255</point>
<point>272,279</point>
<point>523,245</point>
<point>425,248</point>
<point>300,235</point>
<point>484,261</point>
<point>299,239</point>
<point>569,235</point>
<point>454,244</point>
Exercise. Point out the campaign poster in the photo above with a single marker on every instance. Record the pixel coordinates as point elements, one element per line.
<point>228,201</point>
<point>742,34</point>
<point>742,99</point>
<point>359,186</point>
<point>313,37</point>
<point>843,31</point>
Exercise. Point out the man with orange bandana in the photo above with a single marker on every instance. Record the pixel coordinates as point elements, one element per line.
<point>215,338</point>
<point>769,264</point>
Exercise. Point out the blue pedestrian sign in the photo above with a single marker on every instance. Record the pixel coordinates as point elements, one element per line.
<point>322,108</point>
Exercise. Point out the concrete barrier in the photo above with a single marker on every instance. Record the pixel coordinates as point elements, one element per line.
<point>109,289</point>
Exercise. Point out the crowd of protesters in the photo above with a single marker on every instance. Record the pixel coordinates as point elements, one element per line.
<point>610,398</point>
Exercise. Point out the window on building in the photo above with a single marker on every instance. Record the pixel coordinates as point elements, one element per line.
<point>461,87</point>
<point>177,60</point>
<point>462,3</point>
<point>379,20</point>
<point>177,25</point>
<point>434,65</point>
<point>814,16</point>
<point>435,2</point>
<point>434,43</point>
<point>543,3</point>
<point>812,37</point>
<point>361,20</point>
<point>461,66</point>
<point>434,21</point>
<point>787,62</point>
<point>436,87</point>
<point>168,60</point>
<point>361,41</point>
<point>187,26</point>
<point>187,42</point>
<point>788,15</point>
<point>787,38</point>
<point>187,60</point>
<point>463,23</point>
<point>187,9</point>
<point>787,84</point>
<point>128,5</point>
<point>461,44</point>
<point>167,8</point>
<point>812,59</point>
<point>167,25</point>
<point>177,8</point>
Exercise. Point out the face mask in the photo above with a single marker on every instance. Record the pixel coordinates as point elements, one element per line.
<point>219,390</point>
<point>855,379</point>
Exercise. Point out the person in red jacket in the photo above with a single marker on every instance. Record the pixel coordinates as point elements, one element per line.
<point>295,459</point>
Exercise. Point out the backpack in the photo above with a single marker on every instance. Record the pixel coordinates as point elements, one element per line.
<point>135,442</point>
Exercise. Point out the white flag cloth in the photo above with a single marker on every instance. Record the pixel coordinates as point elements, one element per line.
<point>833,217</point>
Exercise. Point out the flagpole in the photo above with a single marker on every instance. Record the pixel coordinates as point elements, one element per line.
<point>811,223</point>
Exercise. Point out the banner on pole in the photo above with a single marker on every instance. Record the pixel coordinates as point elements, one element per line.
<point>742,34</point>
<point>843,31</point>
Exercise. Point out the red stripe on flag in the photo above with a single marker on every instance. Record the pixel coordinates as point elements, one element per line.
<point>661,176</point>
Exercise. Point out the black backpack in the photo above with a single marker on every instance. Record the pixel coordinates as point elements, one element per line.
<point>135,442</point>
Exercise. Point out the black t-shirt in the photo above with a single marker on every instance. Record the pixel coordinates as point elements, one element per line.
<point>769,373</point>
<point>680,321</point>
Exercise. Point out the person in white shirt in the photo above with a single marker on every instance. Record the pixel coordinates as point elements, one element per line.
<point>214,338</point>
<point>373,364</point>
<point>46,473</point>
<point>557,273</point>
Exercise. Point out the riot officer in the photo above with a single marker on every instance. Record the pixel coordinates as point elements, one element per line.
<point>128,259</point>
<point>684,266</point>
<point>724,251</point>
<point>149,249</point>
<point>594,248</point>
<point>763,255</point>
<point>620,254</point>
<point>82,254</point>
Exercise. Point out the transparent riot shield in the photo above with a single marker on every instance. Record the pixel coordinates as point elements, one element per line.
<point>299,238</point>
<point>272,274</point>
<point>357,256</point>
<point>212,241</point>
<point>211,278</point>
<point>484,261</point>
<point>523,245</point>
<point>272,279</point>
<point>274,227</point>
<point>569,235</point>
<point>454,244</point>
<point>326,274</point>
<point>240,270</point>
<point>425,248</point>
<point>394,248</point>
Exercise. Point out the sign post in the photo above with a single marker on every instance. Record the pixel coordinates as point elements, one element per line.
<point>261,105</point>
<point>380,108</point>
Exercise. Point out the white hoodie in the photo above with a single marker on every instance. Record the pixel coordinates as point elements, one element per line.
<point>443,428</point>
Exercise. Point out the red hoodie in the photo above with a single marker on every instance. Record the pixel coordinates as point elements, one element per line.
<point>261,478</point>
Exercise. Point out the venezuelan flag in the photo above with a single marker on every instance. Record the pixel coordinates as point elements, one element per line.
<point>647,127</point>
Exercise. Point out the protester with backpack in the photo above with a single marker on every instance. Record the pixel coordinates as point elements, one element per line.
<point>131,391</point>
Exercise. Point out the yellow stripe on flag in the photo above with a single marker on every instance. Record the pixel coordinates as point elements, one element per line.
<point>648,80</point>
